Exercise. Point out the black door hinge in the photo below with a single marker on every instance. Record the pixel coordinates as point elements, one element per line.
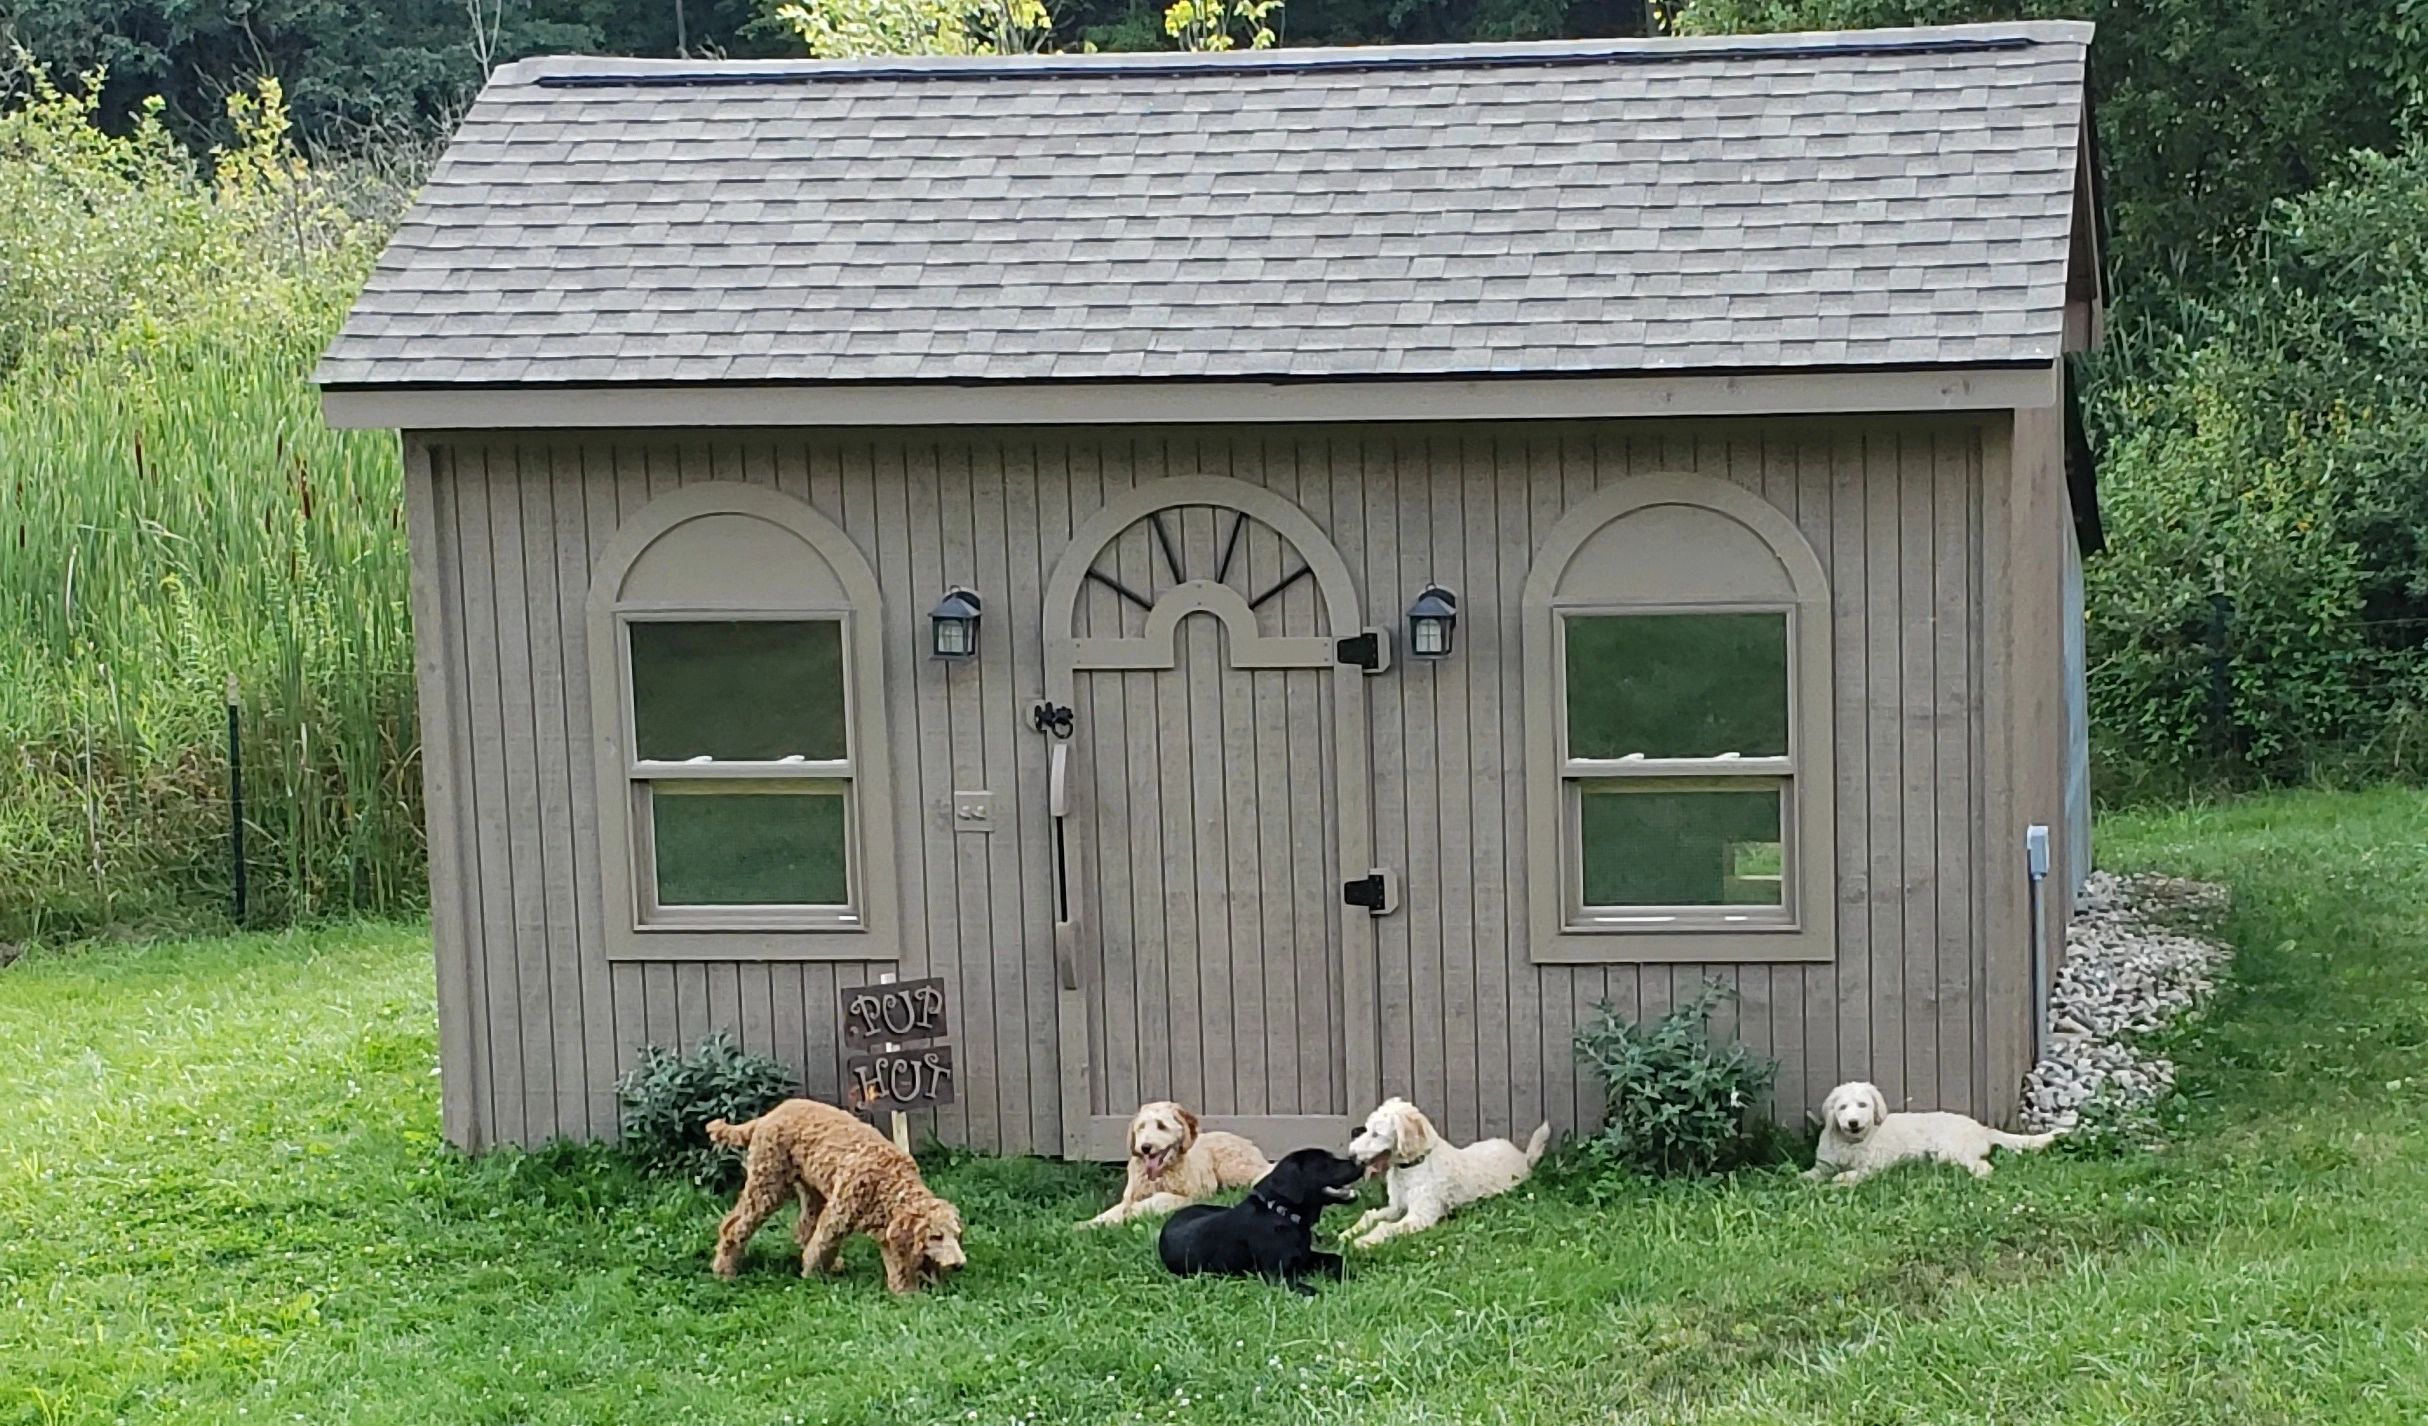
<point>1363,650</point>
<point>1373,891</point>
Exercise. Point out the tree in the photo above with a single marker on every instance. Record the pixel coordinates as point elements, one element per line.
<point>845,29</point>
<point>1220,24</point>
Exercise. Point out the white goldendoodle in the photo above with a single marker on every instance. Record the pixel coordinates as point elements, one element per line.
<point>1429,1179</point>
<point>1173,1164</point>
<point>1859,1137</point>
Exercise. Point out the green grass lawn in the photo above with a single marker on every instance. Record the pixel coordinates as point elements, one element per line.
<point>223,1198</point>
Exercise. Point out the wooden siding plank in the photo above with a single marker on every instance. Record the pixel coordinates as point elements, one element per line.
<point>1101,833</point>
<point>1024,856</point>
<point>1850,597</point>
<point>1135,760</point>
<point>517,734</point>
<point>1423,895</point>
<point>994,766</point>
<point>447,791</point>
<point>1375,473</point>
<point>972,1118</point>
<point>1285,956</point>
<point>965,765</point>
<point>502,1021</point>
<point>1817,1003</point>
<point>1952,686</point>
<point>1918,750</point>
<point>1449,458</point>
<point>1984,800</point>
<point>1479,654</point>
<point>551,805</point>
<point>1883,717</point>
<point>1353,1089</point>
<point>581,479</point>
<point>1528,453</point>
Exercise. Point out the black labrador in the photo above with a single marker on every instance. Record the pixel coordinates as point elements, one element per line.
<point>1271,1232</point>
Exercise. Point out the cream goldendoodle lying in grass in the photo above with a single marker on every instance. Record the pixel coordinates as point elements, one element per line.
<point>1429,1179</point>
<point>1859,1137</point>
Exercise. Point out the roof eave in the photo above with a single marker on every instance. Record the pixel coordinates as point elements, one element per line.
<point>2000,386</point>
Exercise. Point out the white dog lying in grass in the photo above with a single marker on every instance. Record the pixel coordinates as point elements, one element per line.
<point>1859,1137</point>
<point>1428,1178</point>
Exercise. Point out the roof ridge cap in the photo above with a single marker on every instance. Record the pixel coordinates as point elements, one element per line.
<point>605,71</point>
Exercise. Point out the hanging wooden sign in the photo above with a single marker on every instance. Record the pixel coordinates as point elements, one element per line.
<point>897,1013</point>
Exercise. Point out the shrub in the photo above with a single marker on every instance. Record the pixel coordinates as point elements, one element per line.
<point>668,1099</point>
<point>1676,1103</point>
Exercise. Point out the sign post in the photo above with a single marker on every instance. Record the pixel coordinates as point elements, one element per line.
<point>902,1064</point>
<point>901,1123</point>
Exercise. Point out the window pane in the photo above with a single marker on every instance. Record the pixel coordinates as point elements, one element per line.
<point>750,843</point>
<point>1677,685</point>
<point>1646,846</point>
<point>738,689</point>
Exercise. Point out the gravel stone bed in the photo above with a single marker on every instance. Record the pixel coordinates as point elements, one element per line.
<point>2136,962</point>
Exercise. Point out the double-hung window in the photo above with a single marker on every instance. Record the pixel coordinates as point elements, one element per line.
<point>1678,731</point>
<point>741,775</point>
<point>1678,767</point>
<point>737,690</point>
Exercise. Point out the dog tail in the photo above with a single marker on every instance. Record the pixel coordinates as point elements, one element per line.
<point>1539,1141</point>
<point>732,1136</point>
<point>2025,1142</point>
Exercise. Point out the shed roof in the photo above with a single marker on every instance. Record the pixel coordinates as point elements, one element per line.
<point>1834,201</point>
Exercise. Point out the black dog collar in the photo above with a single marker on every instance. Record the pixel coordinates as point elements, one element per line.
<point>1281,1210</point>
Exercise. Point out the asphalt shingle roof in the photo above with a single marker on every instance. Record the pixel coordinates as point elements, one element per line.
<point>1890,198</point>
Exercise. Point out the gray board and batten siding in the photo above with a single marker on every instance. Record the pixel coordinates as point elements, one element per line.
<point>1191,782</point>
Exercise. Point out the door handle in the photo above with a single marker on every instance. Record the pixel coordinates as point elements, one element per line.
<point>1066,925</point>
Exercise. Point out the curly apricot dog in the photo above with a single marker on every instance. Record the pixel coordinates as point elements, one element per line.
<point>850,1179</point>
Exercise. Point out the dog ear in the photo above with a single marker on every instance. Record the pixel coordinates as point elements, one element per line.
<point>1879,1105</point>
<point>1414,1132</point>
<point>1188,1129</point>
<point>905,1233</point>
<point>1135,1121</point>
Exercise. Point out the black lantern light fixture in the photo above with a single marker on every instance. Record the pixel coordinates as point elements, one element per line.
<point>953,625</point>
<point>1431,622</point>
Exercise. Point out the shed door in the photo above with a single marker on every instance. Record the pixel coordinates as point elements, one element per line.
<point>1212,803</point>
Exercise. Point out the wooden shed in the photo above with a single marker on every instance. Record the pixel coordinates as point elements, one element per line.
<point>1715,386</point>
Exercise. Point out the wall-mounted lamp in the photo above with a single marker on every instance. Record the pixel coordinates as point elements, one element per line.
<point>953,625</point>
<point>1431,622</point>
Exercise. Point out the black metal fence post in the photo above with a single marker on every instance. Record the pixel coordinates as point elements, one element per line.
<point>236,802</point>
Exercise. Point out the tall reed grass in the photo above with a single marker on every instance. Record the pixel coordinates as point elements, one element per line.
<point>175,515</point>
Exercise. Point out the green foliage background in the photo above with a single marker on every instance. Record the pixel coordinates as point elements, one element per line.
<point>174,512</point>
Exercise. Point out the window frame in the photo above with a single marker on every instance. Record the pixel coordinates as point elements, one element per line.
<point>1681,774</point>
<point>831,581</point>
<point>642,775</point>
<point>1559,588</point>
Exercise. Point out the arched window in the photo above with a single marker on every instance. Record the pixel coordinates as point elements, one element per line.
<point>1679,773</point>
<point>737,691</point>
